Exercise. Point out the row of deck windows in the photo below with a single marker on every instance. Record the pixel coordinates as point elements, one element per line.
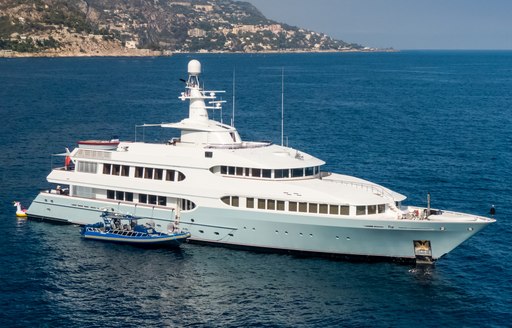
<point>115,169</point>
<point>143,172</point>
<point>267,173</point>
<point>158,174</point>
<point>142,198</point>
<point>88,192</point>
<point>370,209</point>
<point>305,207</point>
<point>186,205</point>
<point>87,167</point>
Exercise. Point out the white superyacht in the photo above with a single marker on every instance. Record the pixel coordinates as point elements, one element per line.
<point>255,195</point>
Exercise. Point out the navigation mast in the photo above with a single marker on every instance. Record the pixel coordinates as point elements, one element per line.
<point>233,114</point>
<point>282,106</point>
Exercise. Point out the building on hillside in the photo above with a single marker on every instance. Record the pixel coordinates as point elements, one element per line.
<point>181,3</point>
<point>196,32</point>
<point>275,28</point>
<point>244,28</point>
<point>131,44</point>
<point>206,8</point>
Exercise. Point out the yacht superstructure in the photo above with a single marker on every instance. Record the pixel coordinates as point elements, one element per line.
<point>231,192</point>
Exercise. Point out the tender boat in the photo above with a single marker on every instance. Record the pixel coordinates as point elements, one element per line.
<point>248,194</point>
<point>123,228</point>
<point>99,144</point>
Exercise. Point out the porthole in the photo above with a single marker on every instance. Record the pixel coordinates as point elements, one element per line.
<point>201,231</point>
<point>216,233</point>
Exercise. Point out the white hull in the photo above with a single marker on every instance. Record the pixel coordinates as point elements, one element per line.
<point>277,231</point>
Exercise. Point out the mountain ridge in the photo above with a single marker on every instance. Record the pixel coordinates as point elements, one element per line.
<point>149,27</point>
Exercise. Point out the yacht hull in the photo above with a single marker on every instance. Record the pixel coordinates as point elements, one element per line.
<point>350,237</point>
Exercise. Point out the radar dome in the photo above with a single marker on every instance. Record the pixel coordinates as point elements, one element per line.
<point>194,67</point>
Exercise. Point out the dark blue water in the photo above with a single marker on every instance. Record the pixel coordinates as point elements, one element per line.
<point>416,122</point>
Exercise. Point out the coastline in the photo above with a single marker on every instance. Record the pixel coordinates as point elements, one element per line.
<point>63,54</point>
<point>167,53</point>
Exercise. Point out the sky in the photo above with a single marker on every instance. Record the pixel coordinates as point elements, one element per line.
<point>401,24</point>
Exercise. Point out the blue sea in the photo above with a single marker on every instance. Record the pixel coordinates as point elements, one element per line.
<point>413,121</point>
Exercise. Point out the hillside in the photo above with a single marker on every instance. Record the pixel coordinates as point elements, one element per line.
<point>148,27</point>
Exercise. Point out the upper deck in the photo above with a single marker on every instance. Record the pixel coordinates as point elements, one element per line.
<point>207,151</point>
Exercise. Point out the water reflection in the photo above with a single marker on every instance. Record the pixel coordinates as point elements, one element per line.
<point>20,221</point>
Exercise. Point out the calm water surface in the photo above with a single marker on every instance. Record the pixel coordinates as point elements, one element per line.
<point>416,122</point>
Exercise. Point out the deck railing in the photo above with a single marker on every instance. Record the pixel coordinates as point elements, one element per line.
<point>243,145</point>
<point>379,191</point>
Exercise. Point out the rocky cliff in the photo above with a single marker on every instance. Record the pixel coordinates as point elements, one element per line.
<point>148,27</point>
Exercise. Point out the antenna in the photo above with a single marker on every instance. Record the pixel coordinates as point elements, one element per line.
<point>282,106</point>
<point>233,114</point>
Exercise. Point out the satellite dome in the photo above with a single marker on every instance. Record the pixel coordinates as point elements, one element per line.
<point>194,67</point>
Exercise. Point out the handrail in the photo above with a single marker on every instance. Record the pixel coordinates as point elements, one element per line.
<point>243,145</point>
<point>380,191</point>
<point>130,233</point>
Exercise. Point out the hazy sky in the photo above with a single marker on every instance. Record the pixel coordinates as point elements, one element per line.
<point>401,24</point>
